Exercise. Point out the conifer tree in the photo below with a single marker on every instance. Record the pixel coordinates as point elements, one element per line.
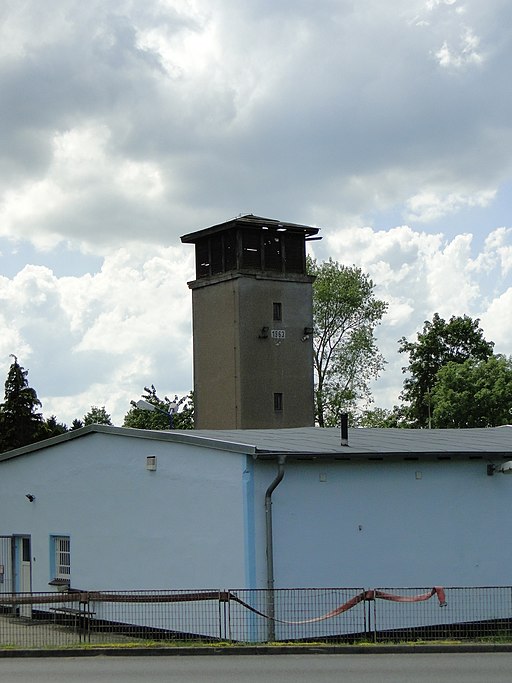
<point>20,421</point>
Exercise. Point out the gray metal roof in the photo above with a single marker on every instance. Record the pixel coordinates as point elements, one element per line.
<point>249,221</point>
<point>308,442</point>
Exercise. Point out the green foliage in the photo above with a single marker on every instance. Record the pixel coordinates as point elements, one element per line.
<point>345,314</point>
<point>76,424</point>
<point>182,418</point>
<point>475,393</point>
<point>53,428</point>
<point>440,343</point>
<point>97,416</point>
<point>383,418</point>
<point>20,422</point>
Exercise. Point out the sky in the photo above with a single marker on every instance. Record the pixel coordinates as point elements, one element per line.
<point>126,124</point>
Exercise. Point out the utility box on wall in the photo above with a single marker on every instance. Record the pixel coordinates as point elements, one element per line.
<point>252,325</point>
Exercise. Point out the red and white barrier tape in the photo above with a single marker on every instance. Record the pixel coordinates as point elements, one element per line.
<point>364,596</point>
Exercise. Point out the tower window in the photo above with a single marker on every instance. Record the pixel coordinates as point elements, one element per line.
<point>251,249</point>
<point>272,251</point>
<point>202,259</point>
<point>295,258</point>
<point>278,402</point>
<point>277,310</point>
<point>216,265</point>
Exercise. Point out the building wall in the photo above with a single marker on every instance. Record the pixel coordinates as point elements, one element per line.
<point>216,364</point>
<point>199,520</point>
<point>276,365</point>
<point>177,528</point>
<point>386,524</point>
<point>242,356</point>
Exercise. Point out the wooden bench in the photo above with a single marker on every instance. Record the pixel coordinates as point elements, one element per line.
<point>79,615</point>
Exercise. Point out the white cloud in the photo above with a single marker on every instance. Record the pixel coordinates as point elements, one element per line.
<point>419,274</point>
<point>99,339</point>
<point>429,205</point>
<point>497,322</point>
<point>466,53</point>
<point>158,117</point>
<point>126,124</point>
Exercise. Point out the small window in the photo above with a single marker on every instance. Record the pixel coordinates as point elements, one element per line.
<point>25,549</point>
<point>278,310</point>
<point>202,259</point>
<point>272,252</point>
<point>216,254</point>
<point>251,249</point>
<point>229,250</point>
<point>278,402</point>
<point>61,557</point>
<point>295,254</point>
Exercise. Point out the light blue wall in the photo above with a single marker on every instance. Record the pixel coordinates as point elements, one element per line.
<point>377,524</point>
<point>177,528</point>
<point>199,522</point>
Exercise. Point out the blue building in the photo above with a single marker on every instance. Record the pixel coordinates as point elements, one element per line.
<point>108,508</point>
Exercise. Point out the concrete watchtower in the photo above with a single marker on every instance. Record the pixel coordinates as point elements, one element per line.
<point>252,325</point>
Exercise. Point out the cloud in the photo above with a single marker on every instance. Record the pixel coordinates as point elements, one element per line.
<point>497,322</point>
<point>126,124</point>
<point>419,274</point>
<point>465,54</point>
<point>428,206</point>
<point>140,121</point>
<point>99,339</point>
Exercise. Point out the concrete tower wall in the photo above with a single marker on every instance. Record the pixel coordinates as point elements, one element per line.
<point>243,358</point>
<point>252,325</point>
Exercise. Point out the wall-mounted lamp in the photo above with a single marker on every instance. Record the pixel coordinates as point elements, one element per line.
<point>505,468</point>
<point>308,331</point>
<point>30,497</point>
<point>264,333</point>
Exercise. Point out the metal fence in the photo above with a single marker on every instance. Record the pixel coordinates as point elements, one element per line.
<point>330,615</point>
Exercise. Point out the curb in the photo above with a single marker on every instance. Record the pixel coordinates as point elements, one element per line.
<point>260,650</point>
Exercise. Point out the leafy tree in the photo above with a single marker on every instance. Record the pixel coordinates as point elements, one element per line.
<point>475,393</point>
<point>183,415</point>
<point>439,343</point>
<point>20,421</point>
<point>345,314</point>
<point>97,416</point>
<point>76,424</point>
<point>382,417</point>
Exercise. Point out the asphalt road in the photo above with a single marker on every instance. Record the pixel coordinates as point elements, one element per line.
<point>378,668</point>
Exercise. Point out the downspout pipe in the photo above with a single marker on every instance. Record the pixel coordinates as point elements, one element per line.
<point>270,545</point>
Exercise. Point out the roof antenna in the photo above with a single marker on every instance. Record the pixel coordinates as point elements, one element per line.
<point>344,429</point>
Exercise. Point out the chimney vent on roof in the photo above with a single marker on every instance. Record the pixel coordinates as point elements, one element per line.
<point>344,429</point>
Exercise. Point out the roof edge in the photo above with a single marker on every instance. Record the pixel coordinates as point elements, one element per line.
<point>181,436</point>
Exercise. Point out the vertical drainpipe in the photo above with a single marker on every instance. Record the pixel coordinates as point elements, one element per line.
<point>270,547</point>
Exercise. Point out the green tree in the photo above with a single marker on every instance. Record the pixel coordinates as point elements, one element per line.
<point>345,315</point>
<point>76,424</point>
<point>97,416</point>
<point>51,428</point>
<point>439,343</point>
<point>382,417</point>
<point>183,415</point>
<point>20,421</point>
<point>475,393</point>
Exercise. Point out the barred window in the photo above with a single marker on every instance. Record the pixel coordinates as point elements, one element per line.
<point>278,402</point>
<point>62,557</point>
